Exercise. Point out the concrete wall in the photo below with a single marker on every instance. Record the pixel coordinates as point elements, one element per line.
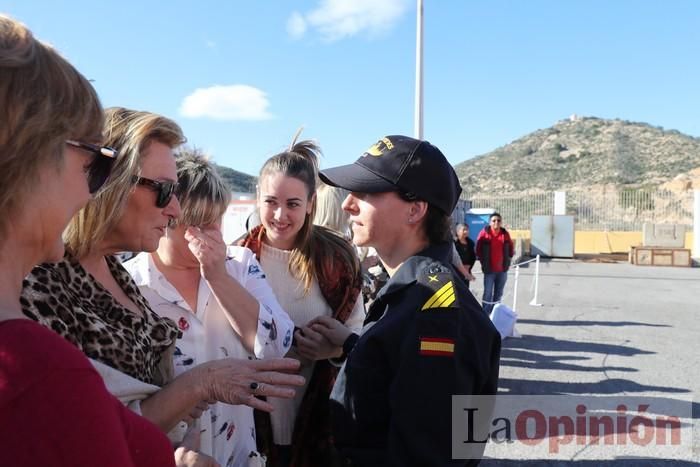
<point>596,242</point>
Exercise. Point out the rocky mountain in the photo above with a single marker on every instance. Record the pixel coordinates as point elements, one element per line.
<point>581,152</point>
<point>238,181</point>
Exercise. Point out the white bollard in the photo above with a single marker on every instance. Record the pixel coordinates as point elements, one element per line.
<point>515,287</point>
<point>696,226</point>
<point>534,301</point>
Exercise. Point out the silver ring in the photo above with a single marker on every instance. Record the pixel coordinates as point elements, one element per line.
<point>254,386</point>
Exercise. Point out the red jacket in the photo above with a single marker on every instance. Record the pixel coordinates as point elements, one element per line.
<point>494,251</point>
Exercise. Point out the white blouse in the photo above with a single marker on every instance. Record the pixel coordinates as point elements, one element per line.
<point>229,431</point>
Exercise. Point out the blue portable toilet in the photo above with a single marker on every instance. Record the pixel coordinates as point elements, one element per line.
<point>477,219</point>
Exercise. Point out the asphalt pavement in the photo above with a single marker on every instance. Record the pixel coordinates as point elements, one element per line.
<point>610,329</point>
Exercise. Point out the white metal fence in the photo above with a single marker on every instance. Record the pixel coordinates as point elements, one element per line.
<point>628,210</point>
<point>516,210</point>
<point>622,210</point>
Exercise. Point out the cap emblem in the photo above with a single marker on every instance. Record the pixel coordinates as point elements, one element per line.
<point>380,147</point>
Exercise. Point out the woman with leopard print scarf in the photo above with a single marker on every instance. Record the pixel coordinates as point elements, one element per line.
<point>90,299</point>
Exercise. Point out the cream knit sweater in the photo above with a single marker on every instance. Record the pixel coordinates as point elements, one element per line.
<point>302,309</point>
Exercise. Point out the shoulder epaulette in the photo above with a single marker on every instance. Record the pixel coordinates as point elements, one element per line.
<point>440,280</point>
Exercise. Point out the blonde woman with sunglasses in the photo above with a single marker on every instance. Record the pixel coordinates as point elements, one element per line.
<point>91,300</point>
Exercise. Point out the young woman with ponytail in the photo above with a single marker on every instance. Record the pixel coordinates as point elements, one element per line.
<point>313,272</point>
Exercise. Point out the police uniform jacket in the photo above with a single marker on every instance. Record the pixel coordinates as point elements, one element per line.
<point>425,339</point>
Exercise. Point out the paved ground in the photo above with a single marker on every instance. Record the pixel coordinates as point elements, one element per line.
<point>611,329</point>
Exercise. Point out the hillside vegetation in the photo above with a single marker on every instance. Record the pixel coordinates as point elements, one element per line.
<point>582,152</point>
<point>238,181</point>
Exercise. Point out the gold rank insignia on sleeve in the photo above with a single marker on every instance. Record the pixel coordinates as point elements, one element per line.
<point>444,297</point>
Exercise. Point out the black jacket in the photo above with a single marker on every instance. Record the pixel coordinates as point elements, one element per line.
<point>467,253</point>
<point>425,338</point>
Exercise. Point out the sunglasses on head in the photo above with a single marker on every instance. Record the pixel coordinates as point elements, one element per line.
<point>101,165</point>
<point>164,190</point>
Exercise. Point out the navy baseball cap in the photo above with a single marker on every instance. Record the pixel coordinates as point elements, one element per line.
<point>400,163</point>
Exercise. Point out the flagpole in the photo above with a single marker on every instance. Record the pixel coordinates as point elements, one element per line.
<point>418,114</point>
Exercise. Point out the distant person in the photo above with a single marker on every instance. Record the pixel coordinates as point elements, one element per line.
<point>495,250</point>
<point>329,209</point>
<point>425,337</point>
<point>466,250</point>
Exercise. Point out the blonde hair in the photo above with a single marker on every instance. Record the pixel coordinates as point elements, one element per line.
<point>203,194</point>
<point>44,100</point>
<point>129,132</point>
<point>314,244</point>
<point>329,208</point>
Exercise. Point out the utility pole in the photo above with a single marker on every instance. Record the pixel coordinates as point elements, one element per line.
<point>418,114</point>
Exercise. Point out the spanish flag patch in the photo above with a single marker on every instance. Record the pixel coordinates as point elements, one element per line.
<point>443,298</point>
<point>437,346</point>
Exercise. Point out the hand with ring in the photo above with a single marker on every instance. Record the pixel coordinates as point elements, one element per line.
<point>238,381</point>
<point>257,388</point>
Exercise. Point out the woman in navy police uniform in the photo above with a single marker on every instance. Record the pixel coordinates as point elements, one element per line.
<point>425,337</point>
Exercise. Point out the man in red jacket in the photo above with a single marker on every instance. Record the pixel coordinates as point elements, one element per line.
<point>494,248</point>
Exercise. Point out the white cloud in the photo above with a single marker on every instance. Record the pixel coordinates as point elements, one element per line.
<point>339,19</point>
<point>233,102</point>
<point>296,25</point>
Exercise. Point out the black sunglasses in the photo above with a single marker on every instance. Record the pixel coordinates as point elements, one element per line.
<point>101,165</point>
<point>164,190</point>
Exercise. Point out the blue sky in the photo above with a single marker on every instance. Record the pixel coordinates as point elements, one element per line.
<point>242,76</point>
